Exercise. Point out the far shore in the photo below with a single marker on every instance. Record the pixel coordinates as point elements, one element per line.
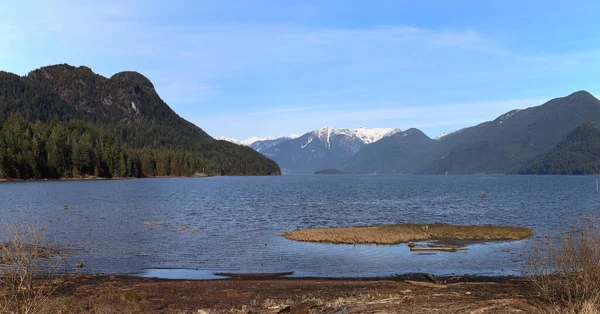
<point>93,178</point>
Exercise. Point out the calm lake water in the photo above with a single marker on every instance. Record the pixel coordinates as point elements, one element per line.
<point>233,223</point>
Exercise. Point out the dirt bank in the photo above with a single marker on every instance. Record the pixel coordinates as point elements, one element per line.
<point>111,294</point>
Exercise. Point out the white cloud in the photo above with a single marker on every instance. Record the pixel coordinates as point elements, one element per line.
<point>296,76</point>
<point>305,119</point>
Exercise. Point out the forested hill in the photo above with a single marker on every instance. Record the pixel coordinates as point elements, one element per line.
<point>63,121</point>
<point>577,153</point>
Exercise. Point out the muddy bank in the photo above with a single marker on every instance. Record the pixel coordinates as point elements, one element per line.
<point>403,294</point>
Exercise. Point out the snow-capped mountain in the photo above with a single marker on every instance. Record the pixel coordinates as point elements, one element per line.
<point>373,135</point>
<point>259,143</point>
<point>323,148</point>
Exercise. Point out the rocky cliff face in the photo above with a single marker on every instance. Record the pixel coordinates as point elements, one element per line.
<point>125,98</point>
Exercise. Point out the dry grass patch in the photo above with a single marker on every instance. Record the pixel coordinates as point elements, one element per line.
<point>402,233</point>
<point>132,297</point>
<point>329,305</point>
<point>153,223</point>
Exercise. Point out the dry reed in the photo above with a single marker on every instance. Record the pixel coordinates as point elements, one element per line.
<point>30,269</point>
<point>566,270</point>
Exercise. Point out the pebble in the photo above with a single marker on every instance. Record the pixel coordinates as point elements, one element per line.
<point>468,293</point>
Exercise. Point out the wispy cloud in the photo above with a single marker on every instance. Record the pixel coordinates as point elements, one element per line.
<point>428,117</point>
<point>294,76</point>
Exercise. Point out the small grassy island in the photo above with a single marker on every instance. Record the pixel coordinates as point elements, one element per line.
<point>329,171</point>
<point>403,233</point>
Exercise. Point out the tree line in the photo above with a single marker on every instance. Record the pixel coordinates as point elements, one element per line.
<point>61,149</point>
<point>577,153</point>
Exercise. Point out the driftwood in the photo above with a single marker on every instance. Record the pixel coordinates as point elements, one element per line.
<point>438,248</point>
<point>426,284</point>
<point>473,283</point>
<point>255,276</point>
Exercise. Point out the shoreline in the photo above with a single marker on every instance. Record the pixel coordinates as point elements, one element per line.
<point>286,276</point>
<point>413,293</point>
<point>92,178</point>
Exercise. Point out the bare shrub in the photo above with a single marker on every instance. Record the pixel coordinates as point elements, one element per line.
<point>30,269</point>
<point>566,269</point>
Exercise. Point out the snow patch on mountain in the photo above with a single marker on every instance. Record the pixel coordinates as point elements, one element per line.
<point>251,140</point>
<point>365,135</point>
<point>310,139</point>
<point>228,139</point>
<point>444,134</point>
<point>439,136</point>
<point>369,136</point>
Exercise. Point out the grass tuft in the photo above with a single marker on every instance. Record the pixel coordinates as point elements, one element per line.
<point>134,297</point>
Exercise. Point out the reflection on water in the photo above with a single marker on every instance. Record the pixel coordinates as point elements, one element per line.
<point>233,223</point>
<point>179,274</point>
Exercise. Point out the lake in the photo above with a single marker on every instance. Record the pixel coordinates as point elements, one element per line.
<point>234,223</point>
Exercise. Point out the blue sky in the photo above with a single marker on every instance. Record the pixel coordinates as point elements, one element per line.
<point>259,68</point>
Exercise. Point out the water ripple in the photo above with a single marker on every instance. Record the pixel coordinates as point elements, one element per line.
<point>237,221</point>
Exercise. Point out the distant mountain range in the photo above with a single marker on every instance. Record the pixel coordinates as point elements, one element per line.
<point>511,140</point>
<point>64,121</point>
<point>316,149</point>
<point>260,144</point>
<point>323,148</point>
<point>515,142</point>
<point>505,145</point>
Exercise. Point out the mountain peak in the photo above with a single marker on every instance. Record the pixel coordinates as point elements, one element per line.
<point>444,134</point>
<point>132,77</point>
<point>60,70</point>
<point>375,134</point>
<point>577,153</point>
<point>579,97</point>
<point>439,136</point>
<point>415,131</point>
<point>583,132</point>
<point>366,135</point>
<point>581,93</point>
